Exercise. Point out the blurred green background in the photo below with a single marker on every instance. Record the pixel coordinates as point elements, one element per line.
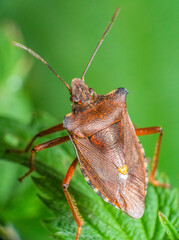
<point>141,53</point>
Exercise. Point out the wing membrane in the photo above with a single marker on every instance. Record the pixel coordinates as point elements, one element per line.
<point>125,191</point>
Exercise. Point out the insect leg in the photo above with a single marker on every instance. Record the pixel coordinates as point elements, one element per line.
<point>53,129</point>
<point>147,131</point>
<point>71,201</point>
<point>40,147</point>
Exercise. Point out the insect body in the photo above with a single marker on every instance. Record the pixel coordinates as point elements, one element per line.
<point>116,173</point>
<point>110,155</point>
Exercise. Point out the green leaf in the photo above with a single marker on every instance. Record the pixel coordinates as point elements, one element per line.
<point>101,220</point>
<point>168,227</point>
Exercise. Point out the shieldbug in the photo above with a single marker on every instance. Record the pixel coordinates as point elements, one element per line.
<point>110,155</point>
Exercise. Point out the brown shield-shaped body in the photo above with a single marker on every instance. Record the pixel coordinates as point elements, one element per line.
<point>105,142</point>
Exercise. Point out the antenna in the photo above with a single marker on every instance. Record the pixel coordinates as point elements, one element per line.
<point>41,59</point>
<point>100,42</point>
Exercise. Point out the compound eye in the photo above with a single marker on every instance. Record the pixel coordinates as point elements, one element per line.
<point>73,99</point>
<point>91,91</point>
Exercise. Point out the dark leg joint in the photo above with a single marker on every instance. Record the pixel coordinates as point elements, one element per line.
<point>31,165</point>
<point>35,149</point>
<point>161,131</point>
<point>65,186</point>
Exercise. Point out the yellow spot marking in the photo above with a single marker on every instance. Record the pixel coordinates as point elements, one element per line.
<point>69,114</point>
<point>123,169</point>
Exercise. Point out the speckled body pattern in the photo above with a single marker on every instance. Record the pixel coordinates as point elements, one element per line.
<point>105,140</point>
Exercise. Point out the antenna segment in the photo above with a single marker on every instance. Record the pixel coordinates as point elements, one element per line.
<point>41,59</point>
<point>100,42</point>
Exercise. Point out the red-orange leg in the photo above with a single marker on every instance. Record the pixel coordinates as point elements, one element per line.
<point>40,147</point>
<point>53,129</point>
<point>70,199</point>
<point>147,131</point>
